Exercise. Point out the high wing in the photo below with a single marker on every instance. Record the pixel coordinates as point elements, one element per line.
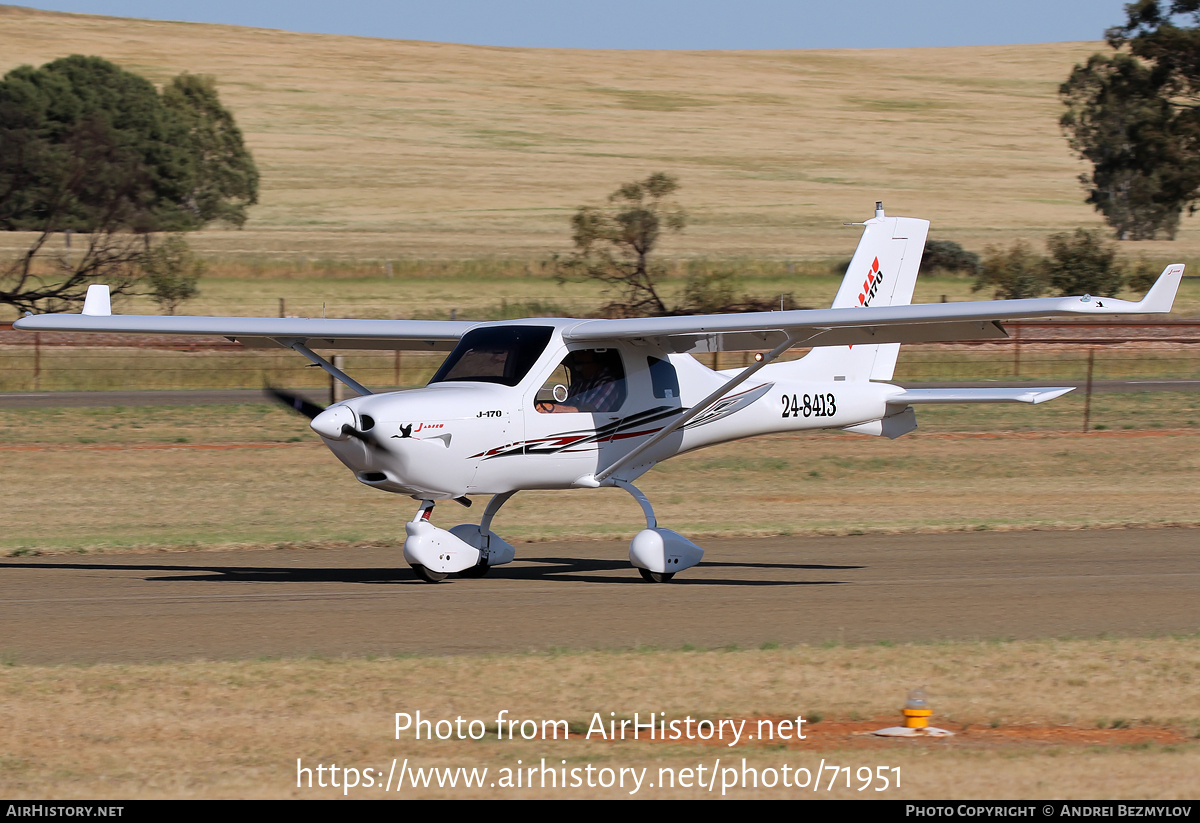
<point>296,333</point>
<point>852,325</point>
<point>919,323</point>
<point>259,332</point>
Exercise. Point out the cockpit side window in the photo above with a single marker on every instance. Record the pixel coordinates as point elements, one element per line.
<point>495,354</point>
<point>587,380</point>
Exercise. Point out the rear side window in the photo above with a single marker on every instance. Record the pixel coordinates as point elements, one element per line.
<point>663,378</point>
<point>495,354</point>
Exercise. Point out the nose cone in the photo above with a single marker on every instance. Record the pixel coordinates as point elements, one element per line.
<point>329,423</point>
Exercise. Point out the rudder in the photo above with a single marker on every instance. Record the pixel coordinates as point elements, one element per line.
<point>883,272</point>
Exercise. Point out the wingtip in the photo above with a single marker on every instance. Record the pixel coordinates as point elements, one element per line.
<point>1042,395</point>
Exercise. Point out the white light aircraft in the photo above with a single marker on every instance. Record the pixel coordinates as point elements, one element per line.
<point>547,403</point>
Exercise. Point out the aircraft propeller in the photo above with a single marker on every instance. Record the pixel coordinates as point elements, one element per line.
<point>294,402</point>
<point>336,423</point>
<point>335,426</point>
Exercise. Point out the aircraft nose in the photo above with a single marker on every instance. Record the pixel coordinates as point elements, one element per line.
<point>329,423</point>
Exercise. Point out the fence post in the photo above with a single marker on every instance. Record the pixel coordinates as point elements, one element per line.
<point>1087,397</point>
<point>1017,354</point>
<point>337,390</point>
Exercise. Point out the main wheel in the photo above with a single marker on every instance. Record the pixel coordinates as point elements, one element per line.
<point>427,575</point>
<point>476,571</point>
<point>655,577</point>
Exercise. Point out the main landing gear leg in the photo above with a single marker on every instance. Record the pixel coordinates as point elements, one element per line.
<point>658,553</point>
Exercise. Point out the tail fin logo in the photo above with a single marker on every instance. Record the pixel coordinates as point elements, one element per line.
<point>871,284</point>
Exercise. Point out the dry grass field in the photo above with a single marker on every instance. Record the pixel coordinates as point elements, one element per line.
<point>1052,719</point>
<point>374,148</point>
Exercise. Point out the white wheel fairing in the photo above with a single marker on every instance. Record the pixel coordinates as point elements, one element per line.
<point>495,551</point>
<point>437,549</point>
<point>663,551</point>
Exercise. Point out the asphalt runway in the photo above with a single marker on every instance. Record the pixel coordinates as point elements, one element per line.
<point>787,590</point>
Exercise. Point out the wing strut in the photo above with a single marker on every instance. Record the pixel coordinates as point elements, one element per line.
<point>297,346</point>
<point>698,409</point>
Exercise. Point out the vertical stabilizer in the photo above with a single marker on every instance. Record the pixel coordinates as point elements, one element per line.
<point>883,272</point>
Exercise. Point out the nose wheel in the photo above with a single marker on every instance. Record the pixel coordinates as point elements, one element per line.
<point>656,577</point>
<point>427,575</point>
<point>466,550</point>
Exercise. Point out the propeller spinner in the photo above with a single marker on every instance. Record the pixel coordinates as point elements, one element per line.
<point>334,423</point>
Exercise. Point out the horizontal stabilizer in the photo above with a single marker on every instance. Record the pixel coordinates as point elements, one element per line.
<point>912,397</point>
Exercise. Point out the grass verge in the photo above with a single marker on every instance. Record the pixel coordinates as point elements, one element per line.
<point>219,476</point>
<point>1036,719</point>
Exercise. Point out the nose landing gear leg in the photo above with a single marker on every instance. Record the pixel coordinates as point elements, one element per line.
<point>422,571</point>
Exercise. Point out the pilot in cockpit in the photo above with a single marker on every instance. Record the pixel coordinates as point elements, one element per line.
<point>595,383</point>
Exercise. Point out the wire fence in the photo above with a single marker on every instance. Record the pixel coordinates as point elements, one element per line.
<point>41,367</point>
<point>27,368</point>
<point>1048,362</point>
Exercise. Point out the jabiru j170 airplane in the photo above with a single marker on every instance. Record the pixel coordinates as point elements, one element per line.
<point>552,403</point>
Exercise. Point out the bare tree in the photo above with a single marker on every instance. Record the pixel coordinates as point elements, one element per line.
<point>172,271</point>
<point>93,168</point>
<point>614,242</point>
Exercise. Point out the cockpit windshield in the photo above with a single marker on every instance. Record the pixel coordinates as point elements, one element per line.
<point>495,354</point>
